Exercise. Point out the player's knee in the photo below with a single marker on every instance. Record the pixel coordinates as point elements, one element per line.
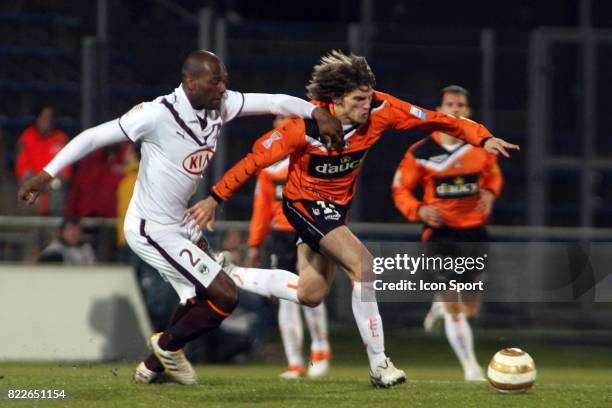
<point>311,299</point>
<point>224,293</point>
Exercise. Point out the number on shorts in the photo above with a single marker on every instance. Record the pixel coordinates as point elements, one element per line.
<point>190,256</point>
<point>328,208</point>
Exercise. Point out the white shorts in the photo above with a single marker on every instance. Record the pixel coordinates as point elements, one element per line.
<point>168,249</point>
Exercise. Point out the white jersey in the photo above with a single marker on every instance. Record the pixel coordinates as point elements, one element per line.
<point>178,142</point>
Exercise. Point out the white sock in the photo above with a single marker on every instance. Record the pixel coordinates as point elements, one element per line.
<point>266,282</point>
<point>292,333</point>
<point>369,323</point>
<point>459,335</point>
<point>316,319</point>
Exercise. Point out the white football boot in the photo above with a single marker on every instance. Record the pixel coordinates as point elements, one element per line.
<point>386,375</point>
<point>175,363</point>
<point>473,374</point>
<point>224,259</point>
<point>319,364</point>
<point>142,375</point>
<point>293,373</point>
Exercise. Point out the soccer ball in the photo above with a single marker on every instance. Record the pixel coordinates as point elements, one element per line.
<point>512,371</point>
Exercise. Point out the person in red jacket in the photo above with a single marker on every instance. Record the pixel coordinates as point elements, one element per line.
<point>321,184</point>
<point>36,147</point>
<point>95,182</point>
<point>269,223</point>
<point>460,183</point>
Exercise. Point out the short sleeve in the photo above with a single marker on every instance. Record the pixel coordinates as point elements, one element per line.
<point>231,105</point>
<point>139,121</point>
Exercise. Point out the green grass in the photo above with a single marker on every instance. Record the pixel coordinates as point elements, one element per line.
<point>566,378</point>
<point>346,385</point>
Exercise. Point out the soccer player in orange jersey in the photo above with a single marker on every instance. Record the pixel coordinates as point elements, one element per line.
<point>269,222</point>
<point>321,184</point>
<point>460,184</point>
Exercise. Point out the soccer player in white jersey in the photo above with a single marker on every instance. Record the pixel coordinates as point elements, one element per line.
<point>179,134</point>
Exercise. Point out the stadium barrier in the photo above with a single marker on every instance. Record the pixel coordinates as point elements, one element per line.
<point>66,313</point>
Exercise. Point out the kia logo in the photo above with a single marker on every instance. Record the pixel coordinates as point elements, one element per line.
<point>197,161</point>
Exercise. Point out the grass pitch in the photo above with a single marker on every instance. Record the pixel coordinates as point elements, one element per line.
<point>566,378</point>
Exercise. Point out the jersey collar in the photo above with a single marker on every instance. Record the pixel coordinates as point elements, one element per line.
<point>193,116</point>
<point>437,137</point>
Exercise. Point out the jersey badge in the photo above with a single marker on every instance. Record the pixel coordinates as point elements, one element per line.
<point>414,111</point>
<point>271,139</point>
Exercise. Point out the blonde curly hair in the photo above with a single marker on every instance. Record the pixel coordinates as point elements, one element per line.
<point>339,74</point>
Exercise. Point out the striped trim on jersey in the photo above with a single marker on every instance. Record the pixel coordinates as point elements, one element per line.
<point>181,122</point>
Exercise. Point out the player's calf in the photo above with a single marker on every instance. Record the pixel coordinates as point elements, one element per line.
<point>264,282</point>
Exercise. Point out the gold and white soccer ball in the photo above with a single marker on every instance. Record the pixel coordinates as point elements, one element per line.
<point>511,370</point>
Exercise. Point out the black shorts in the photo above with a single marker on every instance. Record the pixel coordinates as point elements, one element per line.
<point>314,219</point>
<point>282,250</point>
<point>456,243</point>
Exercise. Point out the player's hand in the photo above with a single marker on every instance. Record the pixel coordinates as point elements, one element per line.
<point>330,128</point>
<point>253,257</point>
<point>431,216</point>
<point>32,188</point>
<point>496,145</point>
<point>202,213</point>
<point>485,204</point>
<point>193,230</point>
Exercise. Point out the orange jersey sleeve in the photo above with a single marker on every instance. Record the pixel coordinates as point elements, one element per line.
<point>403,115</point>
<point>492,178</point>
<point>267,150</point>
<point>263,209</point>
<point>408,176</point>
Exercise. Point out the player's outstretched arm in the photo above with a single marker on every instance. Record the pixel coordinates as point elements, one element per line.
<point>286,105</point>
<point>403,115</point>
<point>84,143</point>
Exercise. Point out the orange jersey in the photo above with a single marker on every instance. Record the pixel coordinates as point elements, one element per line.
<point>451,180</point>
<point>315,173</point>
<point>267,203</point>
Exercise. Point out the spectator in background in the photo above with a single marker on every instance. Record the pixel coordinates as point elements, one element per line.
<point>95,183</point>
<point>69,248</point>
<point>93,194</point>
<point>36,147</point>
<point>233,242</point>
